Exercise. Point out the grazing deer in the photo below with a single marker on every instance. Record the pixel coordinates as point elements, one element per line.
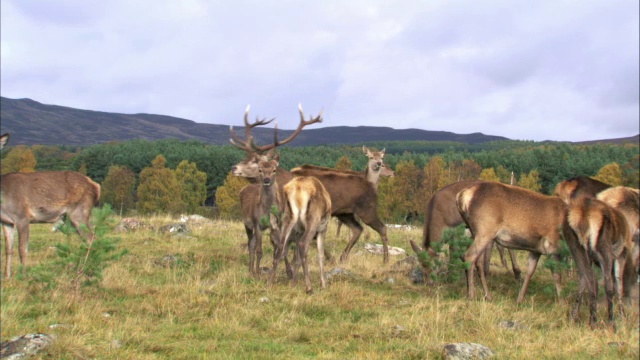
<point>249,168</point>
<point>603,236</point>
<point>442,213</point>
<point>42,197</point>
<point>515,218</point>
<point>307,210</point>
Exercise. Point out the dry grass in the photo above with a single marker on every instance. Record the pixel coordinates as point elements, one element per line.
<point>207,306</point>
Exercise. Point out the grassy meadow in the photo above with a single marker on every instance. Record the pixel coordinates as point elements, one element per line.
<point>201,303</point>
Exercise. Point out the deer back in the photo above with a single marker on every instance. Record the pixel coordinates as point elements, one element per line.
<point>44,196</point>
<point>349,193</point>
<point>579,186</point>
<point>521,214</point>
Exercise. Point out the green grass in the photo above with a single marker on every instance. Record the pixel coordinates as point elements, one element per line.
<point>206,306</point>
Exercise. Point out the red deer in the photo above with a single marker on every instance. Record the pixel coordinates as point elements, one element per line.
<point>603,236</point>
<point>385,171</point>
<point>442,213</point>
<point>579,186</point>
<point>42,197</point>
<point>351,196</point>
<point>583,186</point>
<point>308,211</point>
<point>249,169</point>
<point>515,218</point>
<point>627,201</point>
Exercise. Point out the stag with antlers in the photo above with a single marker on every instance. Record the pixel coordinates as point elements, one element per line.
<point>249,168</point>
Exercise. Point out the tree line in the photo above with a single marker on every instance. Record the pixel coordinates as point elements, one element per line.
<point>172,176</point>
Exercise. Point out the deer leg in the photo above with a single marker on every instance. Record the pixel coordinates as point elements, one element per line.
<point>481,263</point>
<point>280,250</point>
<point>356,230</point>
<point>531,268</point>
<point>471,256</point>
<point>320,242</point>
<point>619,266</point>
<point>486,259</point>
<point>254,245</point>
<point>514,265</point>
<point>381,229</point>
<point>9,237</point>
<point>503,260</point>
<point>606,263</point>
<point>304,247</point>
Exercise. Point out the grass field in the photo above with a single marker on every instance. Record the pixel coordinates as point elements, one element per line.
<point>201,303</point>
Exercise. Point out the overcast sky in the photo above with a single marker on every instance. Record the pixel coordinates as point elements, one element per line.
<point>526,70</point>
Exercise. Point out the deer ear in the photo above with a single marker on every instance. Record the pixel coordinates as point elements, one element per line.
<point>365,150</point>
<point>275,156</point>
<point>275,163</point>
<point>382,152</point>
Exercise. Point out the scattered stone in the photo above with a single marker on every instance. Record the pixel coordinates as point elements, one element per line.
<point>179,228</point>
<point>131,224</point>
<point>116,344</point>
<point>398,330</point>
<point>24,346</point>
<point>417,276</point>
<point>264,300</point>
<point>62,326</point>
<point>378,249</point>
<point>195,220</point>
<point>391,281</point>
<point>511,325</point>
<point>466,351</point>
<point>336,272</point>
<point>401,227</point>
<point>168,260</point>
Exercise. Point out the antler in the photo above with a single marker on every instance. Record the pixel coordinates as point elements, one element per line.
<point>248,144</point>
<point>301,125</point>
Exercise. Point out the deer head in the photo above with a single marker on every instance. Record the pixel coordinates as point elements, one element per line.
<point>375,158</point>
<point>267,172</point>
<point>248,167</point>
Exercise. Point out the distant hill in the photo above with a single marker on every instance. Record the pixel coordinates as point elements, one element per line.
<point>31,122</point>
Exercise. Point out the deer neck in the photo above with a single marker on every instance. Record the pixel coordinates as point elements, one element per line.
<point>372,176</point>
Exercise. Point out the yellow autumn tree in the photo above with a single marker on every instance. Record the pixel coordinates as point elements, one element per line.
<point>400,196</point>
<point>227,199</point>
<point>530,181</point>
<point>489,175</point>
<point>344,163</point>
<point>159,190</point>
<point>118,188</point>
<point>193,183</point>
<point>610,174</point>
<point>19,159</point>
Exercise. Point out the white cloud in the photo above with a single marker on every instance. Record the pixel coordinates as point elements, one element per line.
<point>559,70</point>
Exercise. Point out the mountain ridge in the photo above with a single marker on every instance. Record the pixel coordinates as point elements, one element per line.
<point>31,122</point>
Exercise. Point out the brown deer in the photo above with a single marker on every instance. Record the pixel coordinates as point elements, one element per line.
<point>42,197</point>
<point>384,171</point>
<point>442,213</point>
<point>249,168</point>
<point>515,218</point>
<point>579,186</point>
<point>307,210</point>
<point>621,198</point>
<point>351,196</point>
<point>603,236</point>
<point>627,201</point>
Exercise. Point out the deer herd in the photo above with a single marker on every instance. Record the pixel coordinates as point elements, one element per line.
<point>598,223</point>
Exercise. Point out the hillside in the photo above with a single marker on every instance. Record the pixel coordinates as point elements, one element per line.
<point>31,122</point>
